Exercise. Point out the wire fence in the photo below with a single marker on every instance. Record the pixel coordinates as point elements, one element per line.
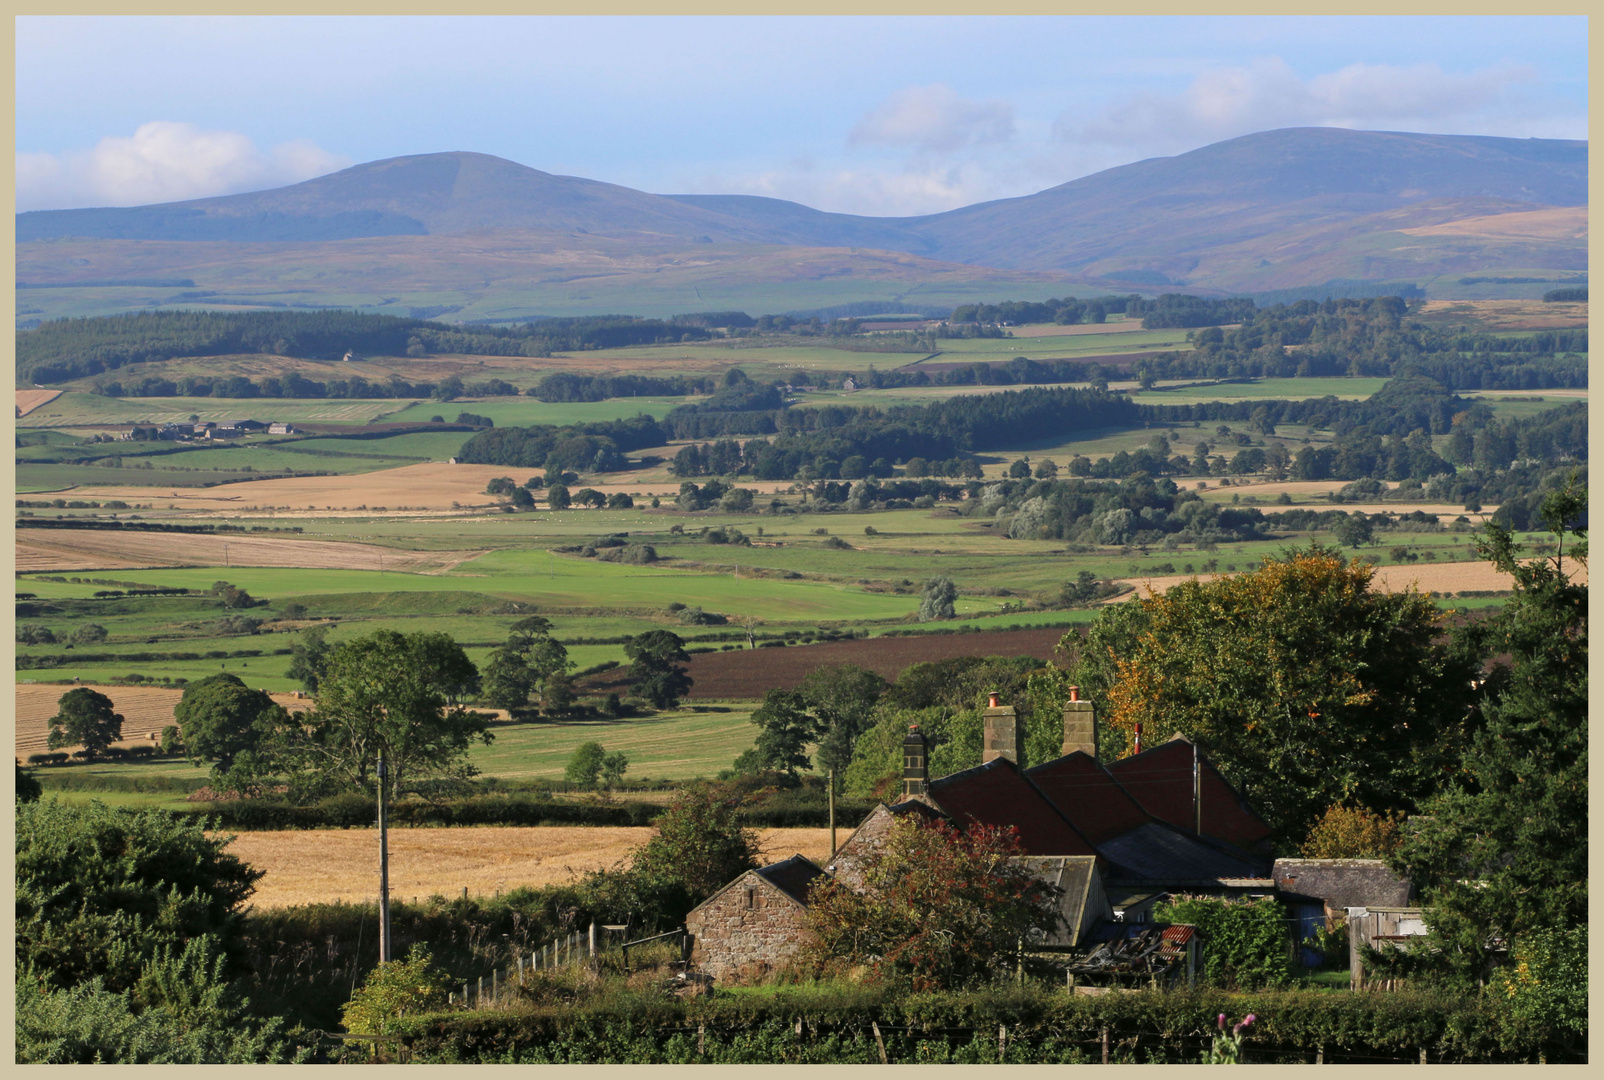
<point>578,947</point>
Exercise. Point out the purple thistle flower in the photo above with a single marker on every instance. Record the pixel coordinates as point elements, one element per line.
<point>1222,1021</point>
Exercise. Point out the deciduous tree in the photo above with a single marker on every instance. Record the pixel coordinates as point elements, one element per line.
<point>1304,685</point>
<point>655,671</point>
<point>86,718</point>
<point>940,908</point>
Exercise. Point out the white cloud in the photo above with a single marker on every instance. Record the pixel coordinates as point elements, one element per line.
<point>1227,102</point>
<point>164,161</point>
<point>910,191</point>
<point>934,119</point>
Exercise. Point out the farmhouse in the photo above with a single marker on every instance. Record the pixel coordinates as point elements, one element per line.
<point>280,429</point>
<point>755,923</point>
<point>1115,837</point>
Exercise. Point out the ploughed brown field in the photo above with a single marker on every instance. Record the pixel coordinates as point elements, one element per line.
<point>745,674</point>
<point>63,549</point>
<point>145,711</point>
<point>324,865</point>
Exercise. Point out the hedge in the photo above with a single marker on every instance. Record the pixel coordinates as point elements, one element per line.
<point>353,811</point>
<point>1029,1025</point>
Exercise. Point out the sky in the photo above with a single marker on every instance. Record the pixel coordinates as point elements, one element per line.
<point>869,115</point>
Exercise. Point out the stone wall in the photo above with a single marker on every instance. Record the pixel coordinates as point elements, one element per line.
<point>747,931</point>
<point>869,837</point>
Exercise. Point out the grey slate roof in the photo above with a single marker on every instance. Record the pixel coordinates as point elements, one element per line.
<point>1158,851</point>
<point>1342,883</point>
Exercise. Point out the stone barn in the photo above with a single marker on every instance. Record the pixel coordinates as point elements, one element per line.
<point>753,925</point>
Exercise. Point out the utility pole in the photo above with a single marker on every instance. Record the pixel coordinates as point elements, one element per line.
<point>831,784</point>
<point>225,554</point>
<point>384,871</point>
<point>1197,791</point>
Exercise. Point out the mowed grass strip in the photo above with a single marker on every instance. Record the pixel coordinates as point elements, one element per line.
<point>327,865</point>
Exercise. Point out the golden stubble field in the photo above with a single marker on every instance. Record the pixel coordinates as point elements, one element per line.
<point>1427,577</point>
<point>324,865</point>
<point>432,486</point>
<point>145,711</point>
<point>29,400</point>
<point>59,549</point>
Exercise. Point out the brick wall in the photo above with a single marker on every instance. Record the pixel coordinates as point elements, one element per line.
<point>747,931</point>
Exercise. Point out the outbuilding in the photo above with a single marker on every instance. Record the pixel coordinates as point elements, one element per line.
<point>755,924</point>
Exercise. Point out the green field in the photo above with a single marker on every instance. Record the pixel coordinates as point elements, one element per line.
<point>523,411</point>
<point>78,409</point>
<point>674,745</point>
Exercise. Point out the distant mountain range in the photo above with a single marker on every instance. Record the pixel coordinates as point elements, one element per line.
<point>1273,210</point>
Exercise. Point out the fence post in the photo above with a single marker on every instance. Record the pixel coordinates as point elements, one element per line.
<point>593,940</point>
<point>1002,1043</point>
<point>494,996</point>
<point>1105,1046</point>
<point>878,1041</point>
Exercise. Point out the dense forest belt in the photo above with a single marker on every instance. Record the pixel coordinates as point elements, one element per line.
<point>73,348</point>
<point>1030,1025</point>
<point>141,526</point>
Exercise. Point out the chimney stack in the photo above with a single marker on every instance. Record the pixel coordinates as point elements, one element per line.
<point>915,772</point>
<point>1080,725</point>
<point>1003,737</point>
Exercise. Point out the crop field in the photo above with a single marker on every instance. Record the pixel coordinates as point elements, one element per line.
<point>145,711</point>
<point>37,550</point>
<point>524,411</point>
<point>674,745</point>
<point>1428,577</point>
<point>77,409</point>
<point>326,865</point>
<point>747,674</point>
<point>29,400</point>
<point>1265,389</point>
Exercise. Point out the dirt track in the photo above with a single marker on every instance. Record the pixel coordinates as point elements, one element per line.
<point>75,549</point>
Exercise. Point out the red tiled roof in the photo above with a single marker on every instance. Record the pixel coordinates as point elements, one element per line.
<point>1160,780</point>
<point>1089,796</point>
<point>998,794</point>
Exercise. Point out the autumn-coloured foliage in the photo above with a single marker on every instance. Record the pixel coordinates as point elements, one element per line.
<point>1353,832</point>
<point>1303,683</point>
<point>941,908</point>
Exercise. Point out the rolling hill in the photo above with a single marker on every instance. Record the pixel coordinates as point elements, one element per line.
<point>1273,210</point>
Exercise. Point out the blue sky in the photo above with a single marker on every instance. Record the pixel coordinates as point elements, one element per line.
<point>896,115</point>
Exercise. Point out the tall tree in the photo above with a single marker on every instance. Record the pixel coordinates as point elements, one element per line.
<point>784,731</point>
<point>386,693</point>
<point>309,658</point>
<point>86,718</point>
<point>1305,686</point>
<point>938,600</point>
<point>655,671</point>
<point>525,664</point>
<point>226,723</point>
<point>841,699</point>
<point>1503,853</point>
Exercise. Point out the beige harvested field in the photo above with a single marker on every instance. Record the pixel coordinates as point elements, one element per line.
<point>60,549</point>
<point>1427,577</point>
<point>145,711</point>
<point>426,487</point>
<point>309,866</point>
<point>29,400</point>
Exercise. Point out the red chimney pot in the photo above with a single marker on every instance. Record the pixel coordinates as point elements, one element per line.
<point>995,700</point>
<point>1074,693</point>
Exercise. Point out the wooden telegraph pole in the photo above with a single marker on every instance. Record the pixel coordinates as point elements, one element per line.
<point>830,784</point>
<point>384,872</point>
